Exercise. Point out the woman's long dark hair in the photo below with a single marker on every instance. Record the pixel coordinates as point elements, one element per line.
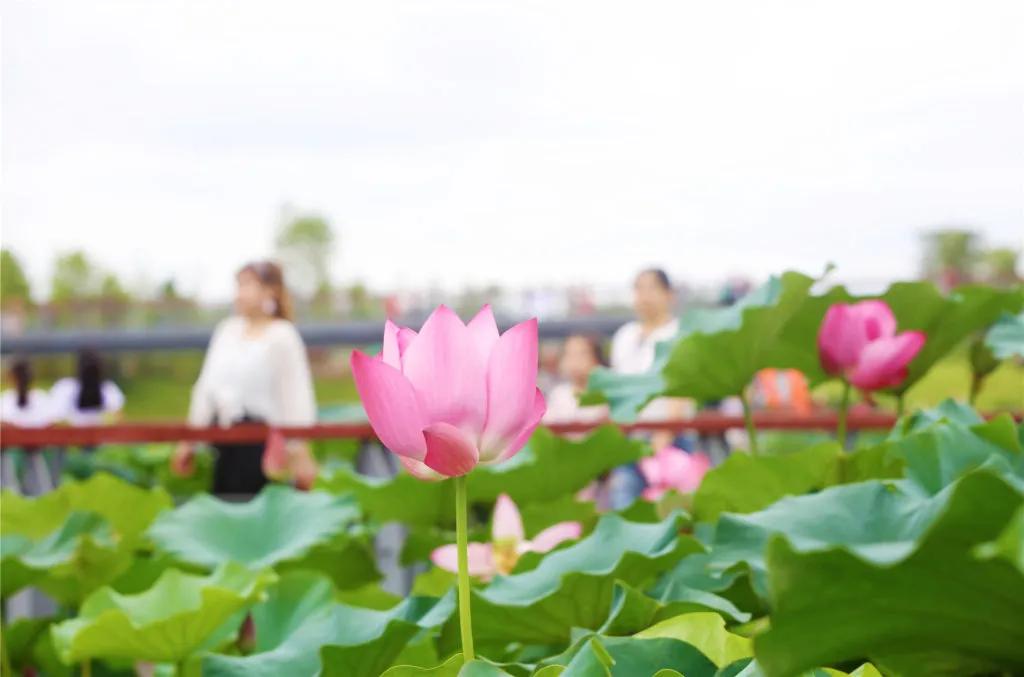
<point>21,372</point>
<point>90,380</point>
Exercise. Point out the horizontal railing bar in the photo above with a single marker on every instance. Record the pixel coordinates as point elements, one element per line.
<point>315,335</point>
<point>127,433</point>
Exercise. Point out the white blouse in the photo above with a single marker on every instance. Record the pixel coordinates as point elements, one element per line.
<point>265,376</point>
<point>37,412</point>
<point>64,400</point>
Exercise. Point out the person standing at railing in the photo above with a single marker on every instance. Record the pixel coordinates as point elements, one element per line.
<point>255,370</point>
<point>633,352</point>
<point>26,407</point>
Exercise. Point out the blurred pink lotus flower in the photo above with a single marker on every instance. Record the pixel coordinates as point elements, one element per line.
<point>859,342</point>
<point>454,395</point>
<point>672,468</point>
<point>508,543</point>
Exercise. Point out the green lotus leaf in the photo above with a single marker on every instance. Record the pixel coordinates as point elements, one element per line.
<point>128,508</point>
<point>573,587</point>
<point>632,610</point>
<point>745,483</point>
<point>546,470</point>
<point>75,539</point>
<point>302,630</point>
<point>876,520</point>
<point>723,348</point>
<point>1006,337</point>
<point>455,666</point>
<point>279,524</point>
<point>912,591</point>
<point>20,638</point>
<point>166,623</point>
<point>692,581</point>
<point>705,631</point>
<point>629,656</point>
<point>1009,545</point>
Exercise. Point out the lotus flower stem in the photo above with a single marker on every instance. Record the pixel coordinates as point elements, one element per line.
<point>462,542</point>
<point>844,406</point>
<point>8,670</point>
<point>748,420</point>
<point>86,668</point>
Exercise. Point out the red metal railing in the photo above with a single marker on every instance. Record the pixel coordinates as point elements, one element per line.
<point>705,422</point>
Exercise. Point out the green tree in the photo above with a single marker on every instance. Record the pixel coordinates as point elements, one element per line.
<point>305,246</point>
<point>950,255</point>
<point>1001,266</point>
<point>75,277</point>
<point>14,285</point>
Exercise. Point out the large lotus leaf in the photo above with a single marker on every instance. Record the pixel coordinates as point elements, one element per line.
<point>937,456</point>
<point>20,638</point>
<point>81,555</point>
<point>1009,545</point>
<point>880,520</point>
<point>128,508</point>
<point>301,630</point>
<point>629,656</point>
<point>573,587</point>
<point>693,581</point>
<point>1006,337</point>
<point>279,524</point>
<point>706,632</point>
<point>167,623</point>
<point>927,600</point>
<point>547,469</point>
<point>747,483</point>
<point>75,539</point>
<point>455,666</point>
<point>948,411</point>
<point>723,348</point>
<point>632,610</point>
<point>946,320</point>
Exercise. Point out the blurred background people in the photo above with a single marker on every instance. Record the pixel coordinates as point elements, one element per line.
<point>24,405</point>
<point>580,355</point>
<point>633,352</point>
<point>27,407</point>
<point>88,398</point>
<point>255,370</point>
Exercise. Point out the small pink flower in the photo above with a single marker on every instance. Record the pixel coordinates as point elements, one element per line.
<point>859,342</point>
<point>508,543</point>
<point>454,395</point>
<point>672,468</point>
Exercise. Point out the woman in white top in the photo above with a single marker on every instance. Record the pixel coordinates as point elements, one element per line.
<point>88,398</point>
<point>633,352</point>
<point>256,370</point>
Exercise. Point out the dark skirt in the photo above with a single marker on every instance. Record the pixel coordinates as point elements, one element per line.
<point>238,469</point>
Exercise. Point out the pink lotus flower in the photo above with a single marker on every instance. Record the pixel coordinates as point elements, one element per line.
<point>508,543</point>
<point>453,395</point>
<point>859,342</point>
<point>672,468</point>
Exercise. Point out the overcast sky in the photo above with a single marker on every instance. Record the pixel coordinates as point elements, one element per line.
<point>510,142</point>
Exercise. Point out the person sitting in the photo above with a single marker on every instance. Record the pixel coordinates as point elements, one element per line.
<point>26,407</point>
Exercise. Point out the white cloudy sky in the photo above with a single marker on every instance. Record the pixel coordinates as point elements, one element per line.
<point>514,142</point>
